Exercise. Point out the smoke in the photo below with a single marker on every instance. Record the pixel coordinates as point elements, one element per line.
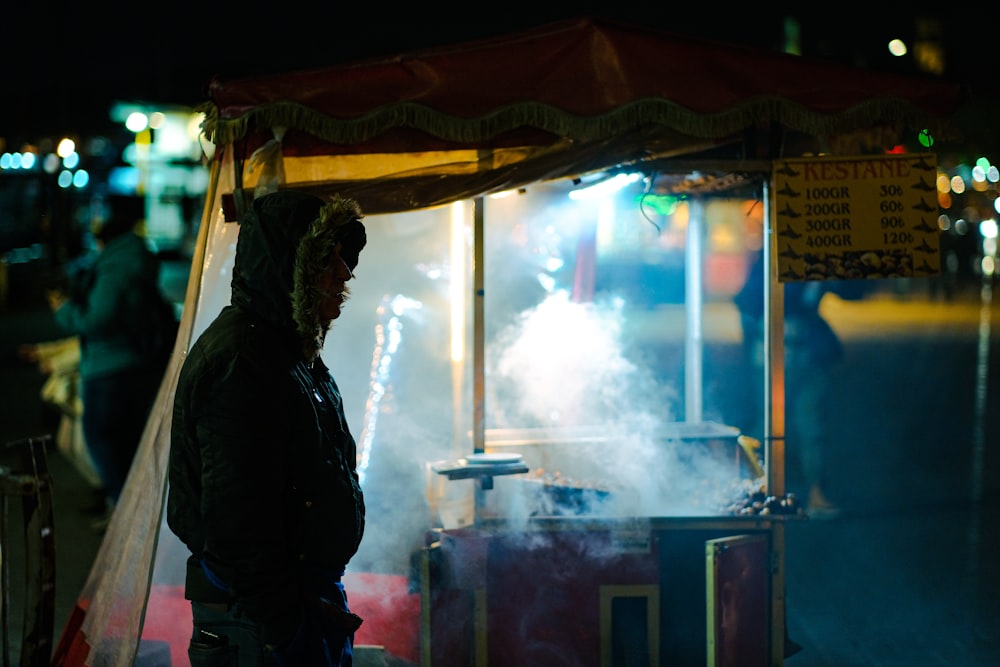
<point>561,364</point>
<point>592,421</point>
<point>597,429</point>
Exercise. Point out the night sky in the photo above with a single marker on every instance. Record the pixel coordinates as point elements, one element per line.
<point>70,63</point>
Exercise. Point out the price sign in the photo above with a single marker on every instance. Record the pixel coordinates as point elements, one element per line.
<point>858,217</point>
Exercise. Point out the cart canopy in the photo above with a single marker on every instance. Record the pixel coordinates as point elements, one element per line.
<point>433,126</point>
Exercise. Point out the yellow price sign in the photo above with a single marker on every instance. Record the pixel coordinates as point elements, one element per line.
<point>857,217</point>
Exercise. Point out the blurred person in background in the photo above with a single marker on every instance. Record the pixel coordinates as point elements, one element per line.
<point>264,489</point>
<point>108,308</point>
<point>812,350</point>
<point>59,361</point>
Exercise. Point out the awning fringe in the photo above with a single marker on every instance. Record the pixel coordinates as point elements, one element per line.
<point>638,114</point>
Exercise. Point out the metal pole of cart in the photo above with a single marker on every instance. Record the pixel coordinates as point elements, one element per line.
<point>693,297</point>
<point>484,483</point>
<point>774,357</point>
<point>479,328</point>
<point>774,419</point>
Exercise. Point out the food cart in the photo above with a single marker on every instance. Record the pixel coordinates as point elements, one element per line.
<point>523,540</point>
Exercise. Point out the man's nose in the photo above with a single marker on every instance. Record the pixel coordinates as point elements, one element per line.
<point>344,271</point>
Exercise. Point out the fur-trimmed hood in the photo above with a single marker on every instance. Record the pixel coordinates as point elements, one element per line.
<point>285,242</point>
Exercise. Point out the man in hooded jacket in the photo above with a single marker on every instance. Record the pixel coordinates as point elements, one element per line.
<point>263,483</point>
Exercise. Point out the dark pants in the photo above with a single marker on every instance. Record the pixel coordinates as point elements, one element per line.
<point>115,410</point>
<point>224,637</point>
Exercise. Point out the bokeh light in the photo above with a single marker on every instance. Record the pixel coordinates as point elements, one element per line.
<point>66,147</point>
<point>136,122</point>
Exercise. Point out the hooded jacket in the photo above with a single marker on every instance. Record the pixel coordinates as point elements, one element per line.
<point>263,483</point>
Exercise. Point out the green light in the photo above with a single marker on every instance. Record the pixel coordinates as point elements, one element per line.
<point>661,204</point>
<point>925,138</point>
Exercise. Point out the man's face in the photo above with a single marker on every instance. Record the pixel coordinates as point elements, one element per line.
<point>333,287</point>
